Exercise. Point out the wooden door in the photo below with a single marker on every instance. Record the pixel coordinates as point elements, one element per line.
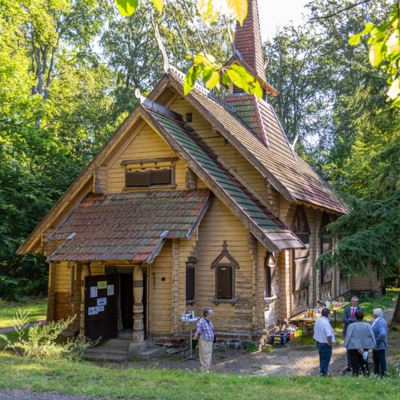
<point>101,307</point>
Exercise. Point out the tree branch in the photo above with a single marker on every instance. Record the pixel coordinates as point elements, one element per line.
<point>343,10</point>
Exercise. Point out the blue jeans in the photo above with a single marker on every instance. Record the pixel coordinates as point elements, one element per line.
<point>325,354</point>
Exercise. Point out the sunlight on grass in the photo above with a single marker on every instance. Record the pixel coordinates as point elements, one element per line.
<point>37,309</point>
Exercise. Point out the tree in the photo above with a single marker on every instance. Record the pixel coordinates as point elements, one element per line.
<point>371,231</point>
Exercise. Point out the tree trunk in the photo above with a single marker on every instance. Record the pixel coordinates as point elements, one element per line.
<point>398,275</point>
<point>396,315</point>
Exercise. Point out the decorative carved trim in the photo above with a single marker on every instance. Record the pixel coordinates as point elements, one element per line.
<point>225,253</point>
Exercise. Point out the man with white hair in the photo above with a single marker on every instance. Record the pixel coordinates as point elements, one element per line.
<point>349,318</point>
<point>379,328</point>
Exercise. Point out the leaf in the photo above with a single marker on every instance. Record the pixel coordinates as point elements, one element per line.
<point>376,53</point>
<point>225,79</point>
<point>213,80</point>
<point>355,39</point>
<point>127,7</point>
<point>393,42</point>
<point>190,80</point>
<point>159,5</point>
<point>206,59</point>
<point>207,11</point>
<point>238,9</point>
<point>394,90</point>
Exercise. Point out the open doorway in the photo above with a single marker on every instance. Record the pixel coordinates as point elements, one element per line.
<point>126,301</point>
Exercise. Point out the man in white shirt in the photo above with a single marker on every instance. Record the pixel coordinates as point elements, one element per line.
<point>325,338</point>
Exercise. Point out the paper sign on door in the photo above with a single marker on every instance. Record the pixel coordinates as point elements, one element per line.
<point>102,285</point>
<point>93,291</point>
<point>110,290</point>
<point>102,301</point>
<point>93,311</point>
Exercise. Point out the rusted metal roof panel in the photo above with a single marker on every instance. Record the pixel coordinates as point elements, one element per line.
<point>127,226</point>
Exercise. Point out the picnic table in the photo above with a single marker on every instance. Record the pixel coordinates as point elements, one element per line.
<point>301,318</point>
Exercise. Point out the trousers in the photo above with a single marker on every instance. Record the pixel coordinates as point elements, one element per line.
<point>325,354</point>
<point>379,357</point>
<point>205,353</point>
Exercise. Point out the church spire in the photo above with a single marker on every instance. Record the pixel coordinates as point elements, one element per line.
<point>248,40</point>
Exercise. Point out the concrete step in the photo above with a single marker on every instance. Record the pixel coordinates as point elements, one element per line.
<point>104,357</point>
<point>116,350</point>
<point>151,353</point>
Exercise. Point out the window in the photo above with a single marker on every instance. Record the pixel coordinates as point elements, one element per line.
<point>269,287</point>
<point>225,266</point>
<point>326,244</point>
<point>190,282</point>
<point>189,117</point>
<point>301,257</point>
<point>148,178</point>
<point>224,282</point>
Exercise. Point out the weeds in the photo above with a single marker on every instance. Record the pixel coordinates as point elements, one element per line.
<point>39,342</point>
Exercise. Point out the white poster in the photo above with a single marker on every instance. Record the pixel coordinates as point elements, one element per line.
<point>110,290</point>
<point>269,316</point>
<point>276,290</point>
<point>102,301</point>
<point>93,291</point>
<point>100,308</point>
<point>93,310</point>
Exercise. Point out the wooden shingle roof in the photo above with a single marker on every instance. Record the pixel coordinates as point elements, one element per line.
<point>291,175</point>
<point>269,230</point>
<point>248,40</point>
<point>129,226</point>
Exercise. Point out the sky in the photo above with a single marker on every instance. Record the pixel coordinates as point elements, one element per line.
<point>276,13</point>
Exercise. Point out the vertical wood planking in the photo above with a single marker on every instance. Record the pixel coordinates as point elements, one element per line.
<point>52,279</point>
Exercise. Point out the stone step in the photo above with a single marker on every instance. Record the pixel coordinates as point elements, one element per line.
<point>104,357</point>
<point>117,342</point>
<point>105,349</point>
<point>151,353</point>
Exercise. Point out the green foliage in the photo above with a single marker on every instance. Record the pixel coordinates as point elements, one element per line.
<point>37,309</point>
<point>39,342</point>
<point>384,45</point>
<point>251,347</point>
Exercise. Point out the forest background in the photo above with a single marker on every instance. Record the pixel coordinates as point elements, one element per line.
<point>68,71</point>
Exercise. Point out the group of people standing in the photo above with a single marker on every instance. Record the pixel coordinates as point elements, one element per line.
<point>360,337</point>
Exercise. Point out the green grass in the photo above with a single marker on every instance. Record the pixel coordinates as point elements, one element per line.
<point>12,337</point>
<point>86,379</point>
<point>37,310</point>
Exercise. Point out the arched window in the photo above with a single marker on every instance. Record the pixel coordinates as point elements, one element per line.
<point>326,244</point>
<point>301,261</point>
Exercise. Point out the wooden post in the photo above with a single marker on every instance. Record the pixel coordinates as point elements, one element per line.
<point>50,301</point>
<point>85,272</point>
<point>138,309</point>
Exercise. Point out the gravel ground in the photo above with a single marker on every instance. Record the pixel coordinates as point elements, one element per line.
<point>6,394</point>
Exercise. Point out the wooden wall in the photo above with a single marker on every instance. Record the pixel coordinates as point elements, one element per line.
<point>221,224</point>
<point>145,144</point>
<point>238,165</point>
<point>162,291</point>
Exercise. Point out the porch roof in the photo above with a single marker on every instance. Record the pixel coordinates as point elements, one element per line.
<point>129,226</point>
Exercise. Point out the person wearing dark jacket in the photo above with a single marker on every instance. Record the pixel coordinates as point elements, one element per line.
<point>379,327</point>
<point>349,318</point>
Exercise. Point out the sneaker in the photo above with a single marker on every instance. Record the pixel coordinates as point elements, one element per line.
<point>347,369</point>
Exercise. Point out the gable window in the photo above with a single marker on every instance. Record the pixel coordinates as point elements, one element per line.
<point>150,173</point>
<point>269,273</point>
<point>326,244</point>
<point>301,257</point>
<point>190,282</point>
<point>225,266</point>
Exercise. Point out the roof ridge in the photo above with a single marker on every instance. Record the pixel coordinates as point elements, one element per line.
<point>203,90</point>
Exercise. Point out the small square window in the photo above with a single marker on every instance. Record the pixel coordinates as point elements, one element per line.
<point>189,117</point>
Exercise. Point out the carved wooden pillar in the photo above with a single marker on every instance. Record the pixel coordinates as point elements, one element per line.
<point>138,309</point>
<point>85,272</point>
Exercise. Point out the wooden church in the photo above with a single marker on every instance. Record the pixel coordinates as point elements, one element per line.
<point>195,201</point>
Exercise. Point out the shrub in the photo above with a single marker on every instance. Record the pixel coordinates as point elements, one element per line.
<point>40,340</point>
<point>251,347</point>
